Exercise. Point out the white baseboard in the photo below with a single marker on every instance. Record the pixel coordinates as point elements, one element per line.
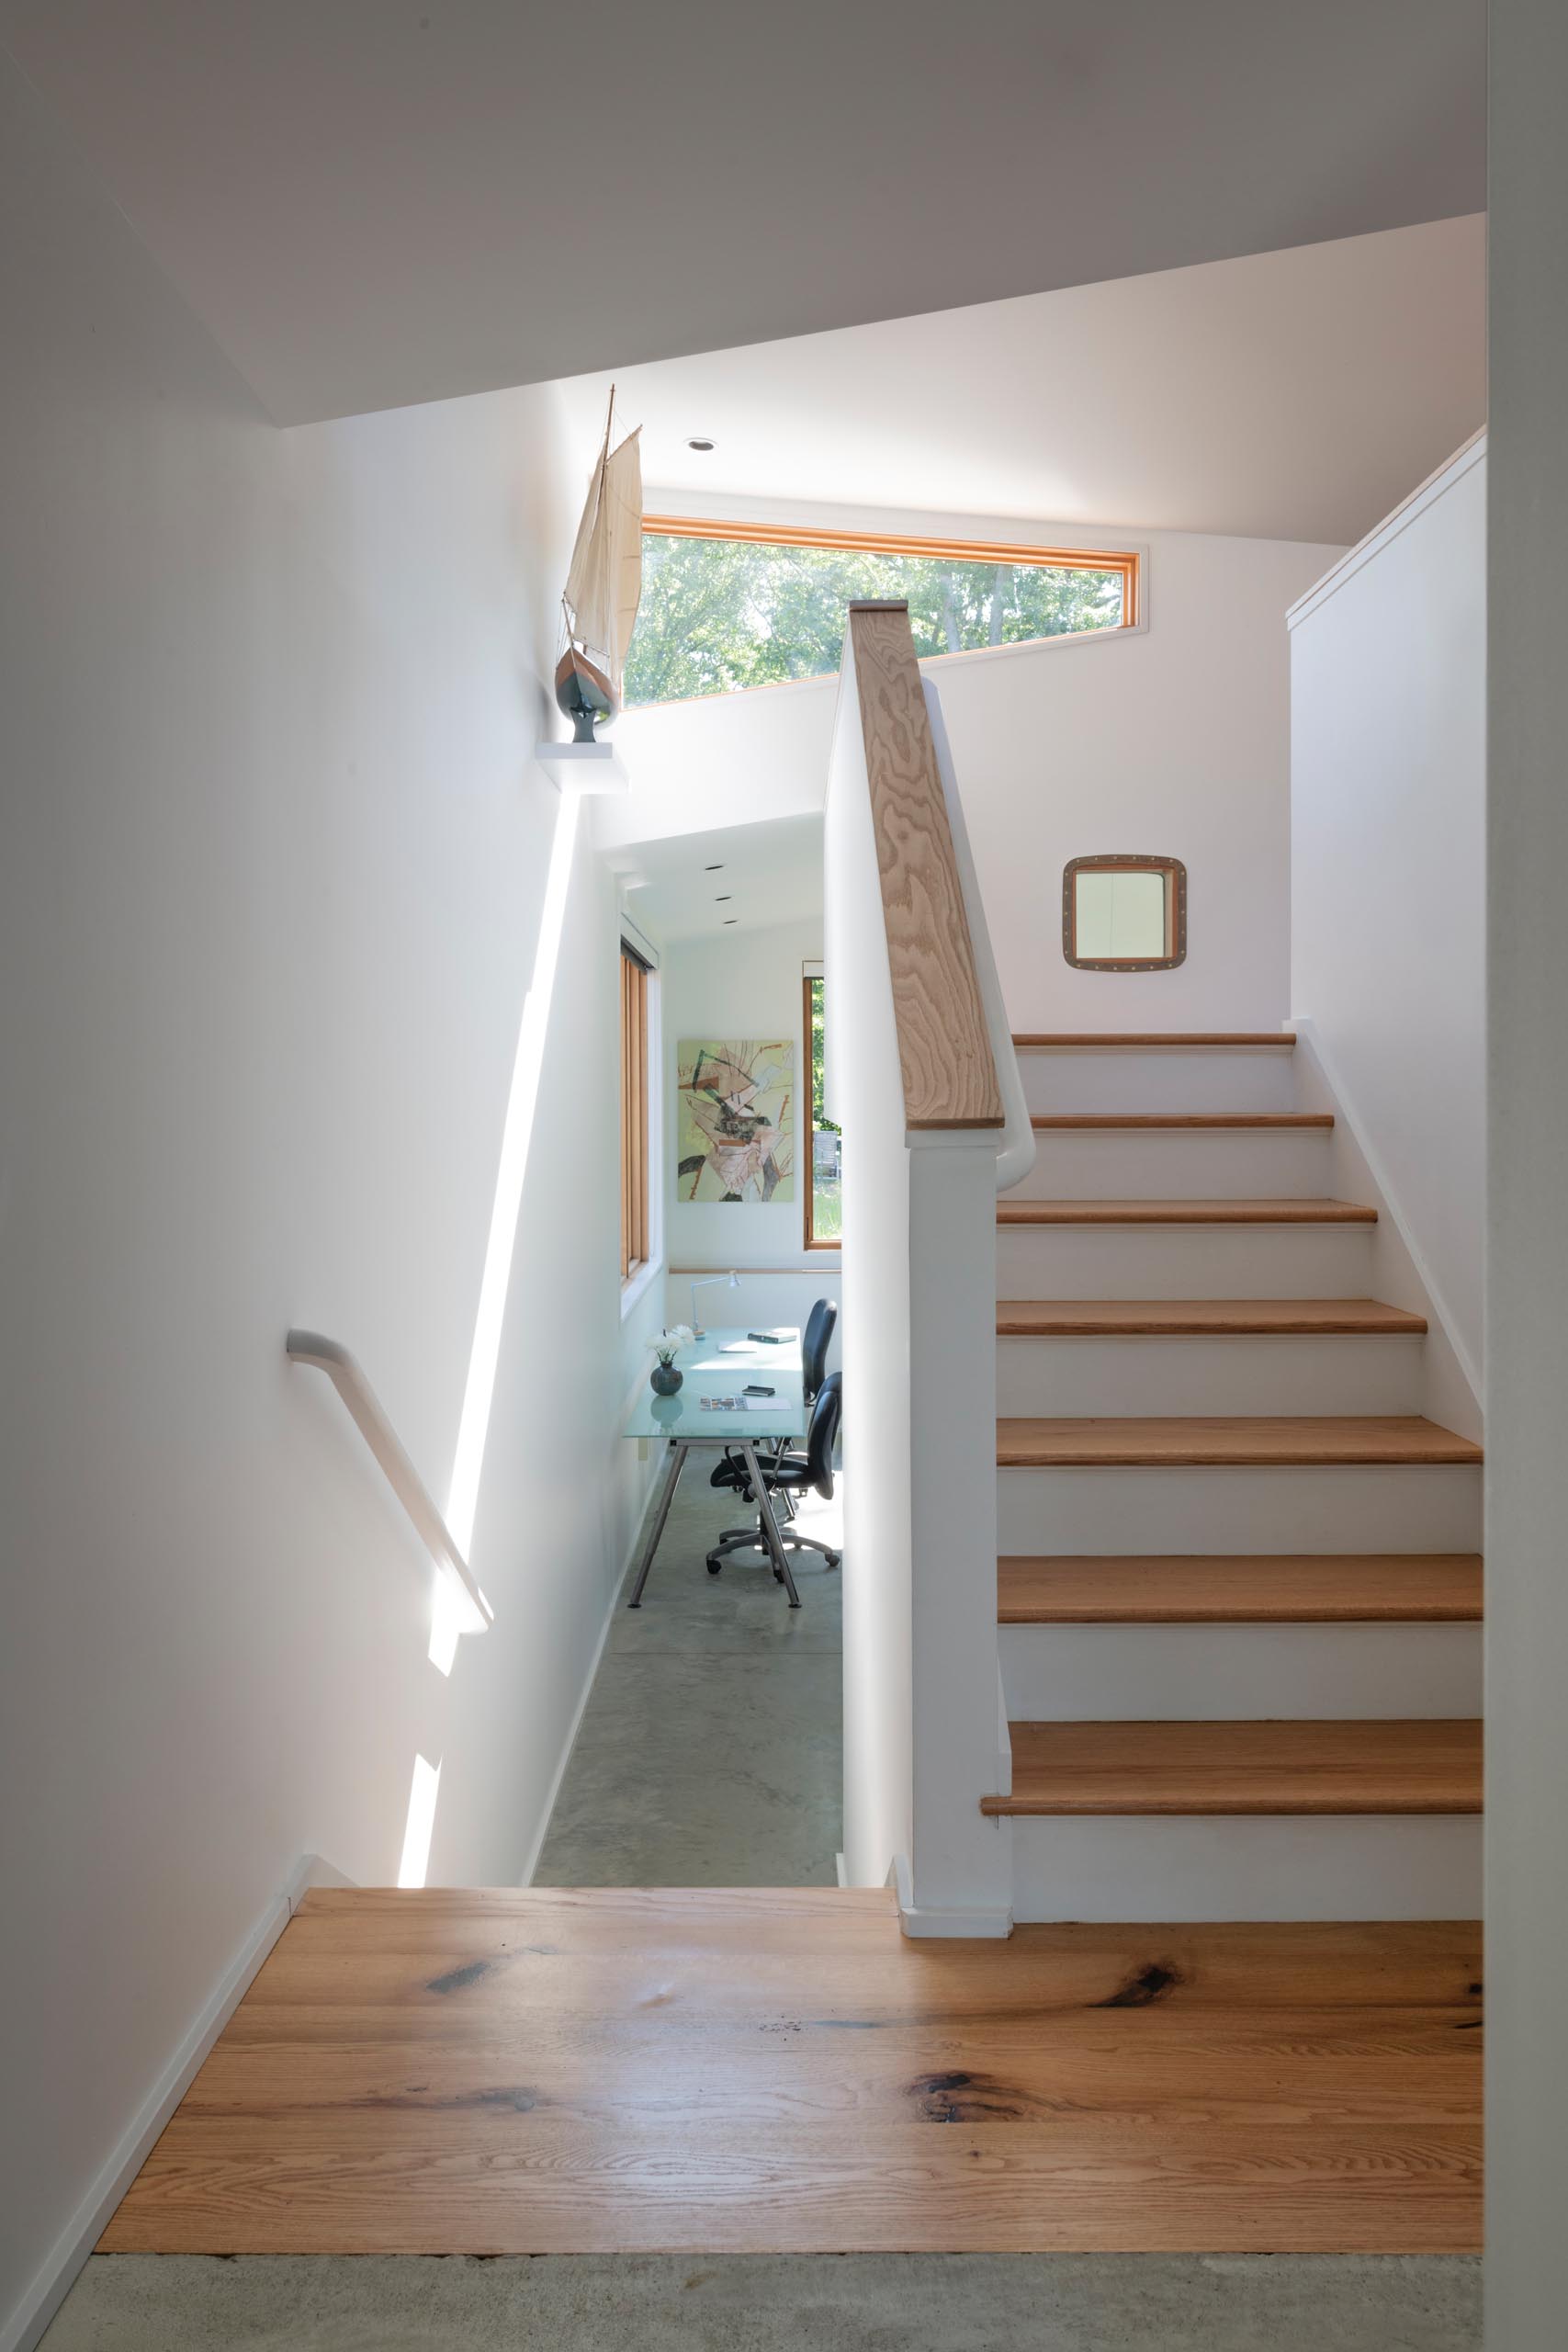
<point>978,1922</point>
<point>538,1847</point>
<point>548,1810</point>
<point>841,1870</point>
<point>1359,1134</point>
<point>53,2280</point>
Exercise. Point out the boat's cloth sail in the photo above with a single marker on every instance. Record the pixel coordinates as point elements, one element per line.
<point>605,579</point>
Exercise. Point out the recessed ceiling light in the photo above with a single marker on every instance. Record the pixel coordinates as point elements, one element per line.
<point>699,442</point>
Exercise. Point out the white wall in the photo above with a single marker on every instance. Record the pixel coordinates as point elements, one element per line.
<point>1527,1263</point>
<point>273,882</point>
<point>1388,868</point>
<point>878,1526</point>
<point>742,983</point>
<point>1173,740</point>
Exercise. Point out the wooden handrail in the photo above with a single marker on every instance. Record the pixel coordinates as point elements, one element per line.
<point>944,1044</point>
<point>365,1408</point>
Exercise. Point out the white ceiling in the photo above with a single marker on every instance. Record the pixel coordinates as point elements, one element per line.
<point>372,202</point>
<point>1290,395</point>
<point>768,873</point>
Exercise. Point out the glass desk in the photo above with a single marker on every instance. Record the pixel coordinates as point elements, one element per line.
<point>717,1365</point>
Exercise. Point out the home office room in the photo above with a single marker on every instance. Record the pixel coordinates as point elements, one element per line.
<point>710,1746</point>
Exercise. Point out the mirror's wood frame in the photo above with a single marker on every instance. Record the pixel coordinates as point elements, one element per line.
<point>1175,878</point>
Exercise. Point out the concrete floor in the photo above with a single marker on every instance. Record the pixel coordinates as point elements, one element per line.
<point>710,1752</point>
<point>958,2302</point>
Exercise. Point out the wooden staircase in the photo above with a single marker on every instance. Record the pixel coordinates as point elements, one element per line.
<point>1240,1597</point>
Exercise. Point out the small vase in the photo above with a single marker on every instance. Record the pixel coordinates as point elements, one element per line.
<point>664,1379</point>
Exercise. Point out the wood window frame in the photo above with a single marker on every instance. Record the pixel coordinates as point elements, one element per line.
<point>808,1097</point>
<point>1175,875</point>
<point>1128,561</point>
<point>636,1207</point>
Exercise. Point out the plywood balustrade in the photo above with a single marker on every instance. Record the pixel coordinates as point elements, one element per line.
<point>944,1046</point>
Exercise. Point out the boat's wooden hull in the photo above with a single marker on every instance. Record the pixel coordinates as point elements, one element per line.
<point>583,692</point>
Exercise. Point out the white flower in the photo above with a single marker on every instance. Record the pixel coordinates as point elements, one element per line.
<point>665,1344</point>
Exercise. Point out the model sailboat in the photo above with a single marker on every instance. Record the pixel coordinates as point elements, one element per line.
<point>602,587</point>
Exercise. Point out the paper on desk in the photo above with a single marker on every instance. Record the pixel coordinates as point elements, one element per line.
<point>738,1404</point>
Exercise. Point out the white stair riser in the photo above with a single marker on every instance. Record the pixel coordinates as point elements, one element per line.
<point>1243,1373</point>
<point>1183,1262</point>
<point>1203,1673</point>
<point>1248,1867</point>
<point>1178,1164</point>
<point>1339,1507</point>
<point>1191,1080</point>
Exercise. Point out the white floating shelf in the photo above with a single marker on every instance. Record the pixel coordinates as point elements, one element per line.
<point>584,767</point>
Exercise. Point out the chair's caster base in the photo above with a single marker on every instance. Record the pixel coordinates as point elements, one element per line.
<point>714,1565</point>
<point>834,1559</point>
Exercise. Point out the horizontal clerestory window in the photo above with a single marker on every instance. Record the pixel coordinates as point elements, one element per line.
<point>729,605</point>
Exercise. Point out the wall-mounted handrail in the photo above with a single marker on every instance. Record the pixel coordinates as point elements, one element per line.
<point>366,1411</point>
<point>944,1042</point>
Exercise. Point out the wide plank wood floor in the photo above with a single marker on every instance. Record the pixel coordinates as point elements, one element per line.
<point>557,2071</point>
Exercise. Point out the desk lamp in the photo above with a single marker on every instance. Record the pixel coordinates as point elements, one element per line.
<point>732,1277</point>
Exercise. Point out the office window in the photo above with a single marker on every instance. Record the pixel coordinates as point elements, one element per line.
<point>821,1193</point>
<point>634,1113</point>
<point>728,605</point>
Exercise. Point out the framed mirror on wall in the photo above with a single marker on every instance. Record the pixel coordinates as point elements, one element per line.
<point>1124,913</point>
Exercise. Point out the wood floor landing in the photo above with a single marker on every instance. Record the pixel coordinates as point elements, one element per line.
<point>566,2072</point>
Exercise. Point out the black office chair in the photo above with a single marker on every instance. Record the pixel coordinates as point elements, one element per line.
<point>814,1347</point>
<point>789,1474</point>
<point>819,1328</point>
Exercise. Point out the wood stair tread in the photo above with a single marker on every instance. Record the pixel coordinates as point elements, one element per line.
<point>1179,1040</point>
<point>1229,1440</point>
<point>1210,1211</point>
<point>1189,1318</point>
<point>1381,1767</point>
<point>1250,1589</point>
<point>1132,1122</point>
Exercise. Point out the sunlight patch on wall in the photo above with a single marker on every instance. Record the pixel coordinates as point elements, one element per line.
<point>420,1824</point>
<point>478,1393</point>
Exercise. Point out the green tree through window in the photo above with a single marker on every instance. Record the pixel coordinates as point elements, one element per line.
<point>721,615</point>
<point>823,1206</point>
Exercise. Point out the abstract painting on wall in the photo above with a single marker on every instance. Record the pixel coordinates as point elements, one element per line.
<point>735,1137</point>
